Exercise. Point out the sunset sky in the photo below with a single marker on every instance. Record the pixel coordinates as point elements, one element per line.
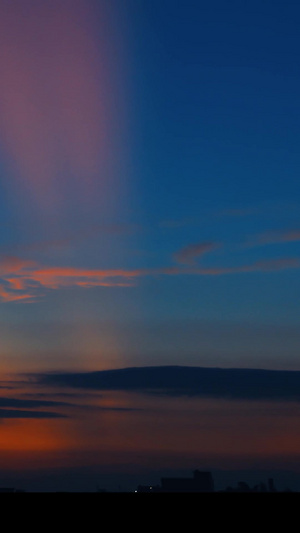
<point>150,241</point>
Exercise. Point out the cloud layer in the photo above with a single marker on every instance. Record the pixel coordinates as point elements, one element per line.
<point>22,279</point>
<point>232,383</point>
<point>17,413</point>
<point>23,408</point>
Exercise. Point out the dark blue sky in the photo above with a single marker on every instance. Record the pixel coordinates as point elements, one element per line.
<point>215,101</point>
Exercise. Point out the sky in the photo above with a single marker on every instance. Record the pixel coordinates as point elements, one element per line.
<point>149,243</point>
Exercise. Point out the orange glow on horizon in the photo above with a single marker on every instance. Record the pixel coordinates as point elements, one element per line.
<point>118,426</point>
<point>32,435</point>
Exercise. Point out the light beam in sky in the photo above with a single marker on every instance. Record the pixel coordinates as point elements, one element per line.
<point>55,99</point>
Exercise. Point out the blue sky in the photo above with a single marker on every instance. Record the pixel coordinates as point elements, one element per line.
<point>201,108</point>
<point>199,174</point>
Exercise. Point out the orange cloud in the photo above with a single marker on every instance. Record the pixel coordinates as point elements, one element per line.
<point>26,279</point>
<point>18,276</point>
<point>55,277</point>
<point>7,296</point>
<point>11,264</point>
<point>12,272</point>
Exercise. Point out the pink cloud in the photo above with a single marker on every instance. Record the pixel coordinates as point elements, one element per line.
<point>55,277</point>
<point>8,296</point>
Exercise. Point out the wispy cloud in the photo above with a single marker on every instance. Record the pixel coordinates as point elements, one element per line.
<point>12,283</point>
<point>268,265</point>
<point>17,413</point>
<point>6,296</point>
<point>274,237</point>
<point>190,253</point>
<point>26,280</point>
<point>28,404</point>
<point>18,276</point>
<point>12,265</point>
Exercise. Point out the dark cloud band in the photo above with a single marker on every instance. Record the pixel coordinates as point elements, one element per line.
<point>232,383</point>
<point>17,413</point>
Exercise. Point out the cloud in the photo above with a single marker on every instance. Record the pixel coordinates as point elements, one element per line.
<point>275,237</point>
<point>26,280</point>
<point>12,297</point>
<point>283,236</point>
<point>268,265</point>
<point>23,408</point>
<point>190,253</point>
<point>18,408</point>
<point>27,404</point>
<point>55,277</point>
<point>13,265</point>
<point>232,383</point>
<point>19,277</point>
<point>16,413</point>
<point>276,264</point>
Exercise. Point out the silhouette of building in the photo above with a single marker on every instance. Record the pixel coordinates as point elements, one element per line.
<point>242,486</point>
<point>200,482</point>
<point>271,485</point>
<point>203,482</point>
<point>10,490</point>
<point>148,488</point>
